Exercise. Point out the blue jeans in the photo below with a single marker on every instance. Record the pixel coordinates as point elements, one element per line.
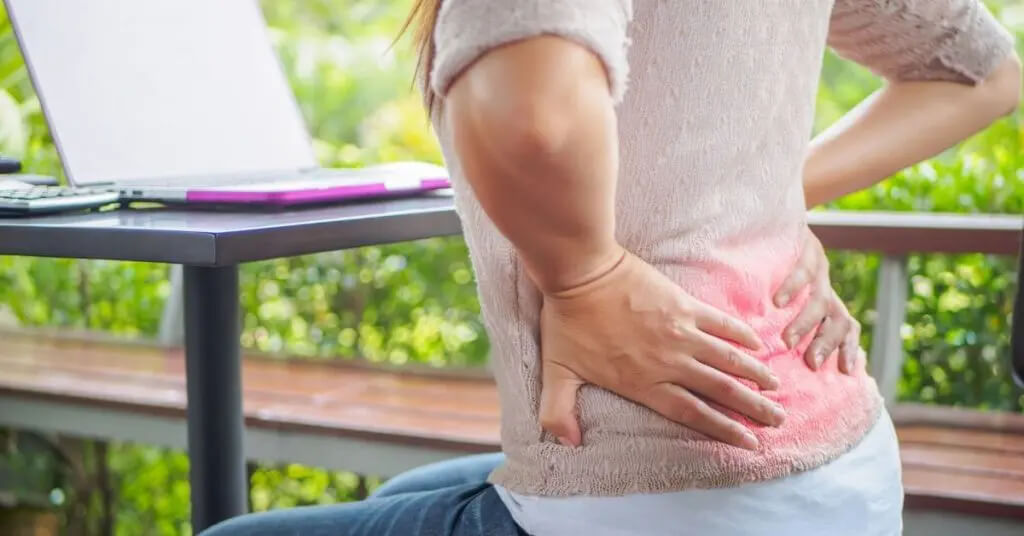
<point>449,498</point>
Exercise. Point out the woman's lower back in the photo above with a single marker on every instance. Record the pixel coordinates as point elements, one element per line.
<point>858,494</point>
<point>628,448</point>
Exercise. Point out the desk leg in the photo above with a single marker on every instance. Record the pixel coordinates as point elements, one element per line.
<point>213,372</point>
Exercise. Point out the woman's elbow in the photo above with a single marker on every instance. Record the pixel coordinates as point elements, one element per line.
<point>517,133</point>
<point>532,97</point>
<point>1003,87</point>
<point>539,132</point>
<point>526,128</point>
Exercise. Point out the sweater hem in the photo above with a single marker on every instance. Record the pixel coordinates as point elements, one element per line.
<point>609,470</point>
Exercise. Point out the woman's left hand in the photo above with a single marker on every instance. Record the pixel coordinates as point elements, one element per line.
<point>824,313</point>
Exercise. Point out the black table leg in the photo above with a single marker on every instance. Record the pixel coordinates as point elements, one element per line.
<point>213,371</point>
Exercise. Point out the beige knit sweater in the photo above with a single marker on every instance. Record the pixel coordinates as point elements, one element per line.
<point>713,132</point>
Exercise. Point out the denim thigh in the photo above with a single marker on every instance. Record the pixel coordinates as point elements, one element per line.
<point>464,470</point>
<point>445,499</point>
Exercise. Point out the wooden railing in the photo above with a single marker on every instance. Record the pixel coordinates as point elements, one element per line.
<point>895,235</point>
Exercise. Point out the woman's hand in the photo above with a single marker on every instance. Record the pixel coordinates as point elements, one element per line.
<point>824,311</point>
<point>638,334</point>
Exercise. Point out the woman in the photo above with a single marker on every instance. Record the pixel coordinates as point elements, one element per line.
<point>638,238</point>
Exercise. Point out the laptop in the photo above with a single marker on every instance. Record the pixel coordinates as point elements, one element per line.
<point>182,101</point>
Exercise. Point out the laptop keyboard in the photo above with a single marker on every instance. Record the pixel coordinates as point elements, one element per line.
<point>46,192</point>
<point>45,199</point>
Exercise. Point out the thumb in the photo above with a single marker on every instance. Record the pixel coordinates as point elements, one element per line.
<point>558,403</point>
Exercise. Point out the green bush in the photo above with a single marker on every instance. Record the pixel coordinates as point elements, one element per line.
<point>415,302</point>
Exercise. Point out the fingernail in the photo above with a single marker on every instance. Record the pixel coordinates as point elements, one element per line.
<point>778,413</point>
<point>782,299</point>
<point>773,381</point>
<point>749,441</point>
<point>819,357</point>
<point>790,340</point>
<point>812,363</point>
<point>565,442</point>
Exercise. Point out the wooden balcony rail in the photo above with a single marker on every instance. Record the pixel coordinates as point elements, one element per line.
<point>900,233</point>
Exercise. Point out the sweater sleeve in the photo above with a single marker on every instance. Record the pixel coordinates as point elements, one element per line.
<point>905,40</point>
<point>466,29</point>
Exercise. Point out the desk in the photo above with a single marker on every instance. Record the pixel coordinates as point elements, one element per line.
<point>211,245</point>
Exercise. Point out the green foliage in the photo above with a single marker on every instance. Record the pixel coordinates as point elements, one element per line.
<point>416,303</point>
<point>297,485</point>
<point>396,303</point>
<point>152,491</point>
<point>28,470</point>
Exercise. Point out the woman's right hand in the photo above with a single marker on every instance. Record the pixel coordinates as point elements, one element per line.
<point>638,334</point>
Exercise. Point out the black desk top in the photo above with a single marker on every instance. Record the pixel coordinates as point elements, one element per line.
<point>212,238</point>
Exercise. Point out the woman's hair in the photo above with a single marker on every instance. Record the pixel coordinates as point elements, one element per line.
<point>421,21</point>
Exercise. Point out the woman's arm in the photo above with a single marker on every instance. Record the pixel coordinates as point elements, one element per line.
<point>901,125</point>
<point>951,71</point>
<point>534,127</point>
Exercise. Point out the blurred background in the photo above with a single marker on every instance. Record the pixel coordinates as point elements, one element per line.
<point>416,302</point>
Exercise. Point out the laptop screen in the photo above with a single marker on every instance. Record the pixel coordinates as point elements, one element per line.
<point>152,89</point>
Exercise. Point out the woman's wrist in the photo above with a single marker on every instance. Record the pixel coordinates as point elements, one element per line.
<point>599,275</point>
<point>578,270</point>
<point>819,178</point>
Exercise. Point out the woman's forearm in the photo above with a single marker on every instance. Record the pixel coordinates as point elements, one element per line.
<point>900,125</point>
<point>534,126</point>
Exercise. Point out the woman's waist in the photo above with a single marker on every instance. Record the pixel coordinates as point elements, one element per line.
<point>814,401</point>
<point>748,297</point>
<point>628,448</point>
<point>740,278</point>
<point>873,464</point>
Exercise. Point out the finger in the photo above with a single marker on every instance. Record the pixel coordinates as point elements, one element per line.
<point>854,358</point>
<point>803,273</point>
<point>715,322</point>
<point>849,350</point>
<point>794,283</point>
<point>558,403</point>
<point>810,316</point>
<point>683,407</point>
<point>725,390</point>
<point>831,334</point>
<point>721,355</point>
